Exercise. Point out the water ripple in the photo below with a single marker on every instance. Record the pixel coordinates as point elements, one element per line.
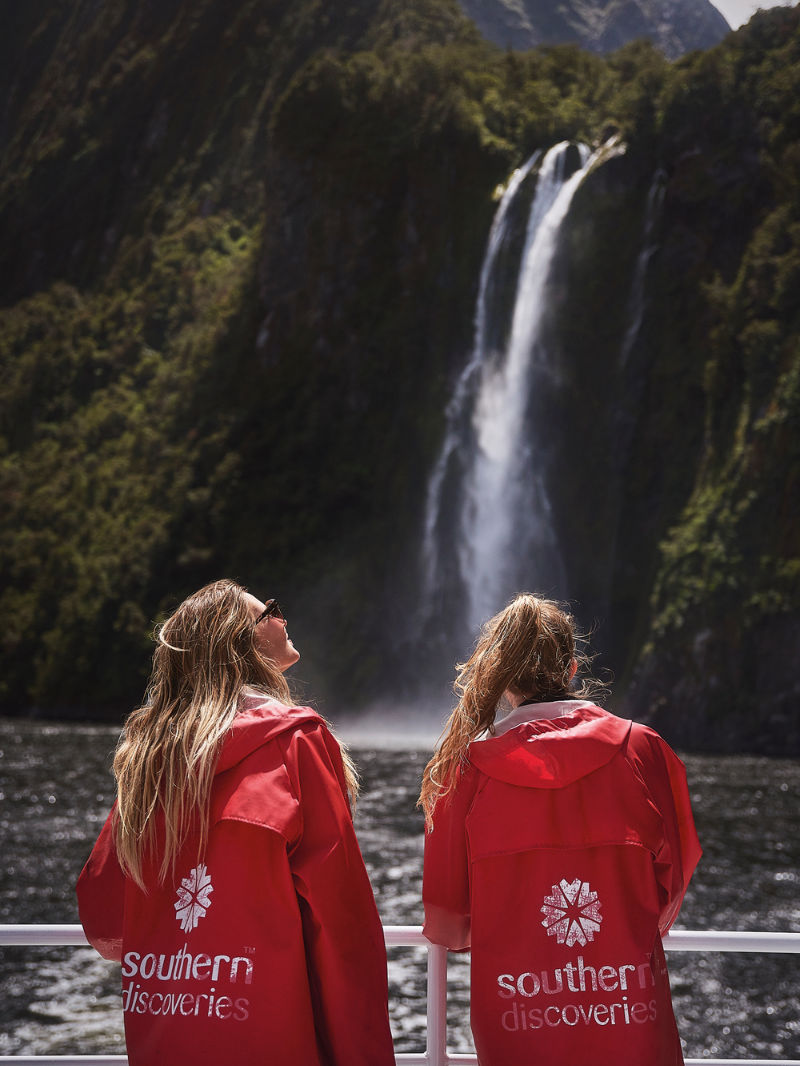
<point>55,790</point>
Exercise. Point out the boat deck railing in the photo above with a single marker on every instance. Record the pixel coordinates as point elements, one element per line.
<point>436,1052</point>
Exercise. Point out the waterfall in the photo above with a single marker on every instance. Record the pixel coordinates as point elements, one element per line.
<point>503,529</point>
<point>506,517</point>
<point>635,310</point>
<point>463,394</point>
<point>631,380</point>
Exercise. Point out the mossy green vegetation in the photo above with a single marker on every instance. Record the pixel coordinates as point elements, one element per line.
<point>725,601</point>
<point>109,445</point>
<point>239,278</point>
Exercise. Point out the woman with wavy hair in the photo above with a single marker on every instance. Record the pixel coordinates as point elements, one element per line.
<point>227,879</point>
<point>560,843</point>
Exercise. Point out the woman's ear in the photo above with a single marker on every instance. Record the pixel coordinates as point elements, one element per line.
<point>573,669</point>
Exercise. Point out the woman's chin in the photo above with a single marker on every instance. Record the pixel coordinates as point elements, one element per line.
<point>292,656</point>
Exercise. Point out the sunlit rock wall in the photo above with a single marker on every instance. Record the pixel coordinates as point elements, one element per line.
<point>675,27</point>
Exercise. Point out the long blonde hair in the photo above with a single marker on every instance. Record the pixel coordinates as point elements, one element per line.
<point>528,649</point>
<point>206,654</point>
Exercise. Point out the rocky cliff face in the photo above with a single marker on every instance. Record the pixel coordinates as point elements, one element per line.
<point>675,27</point>
<point>688,435</point>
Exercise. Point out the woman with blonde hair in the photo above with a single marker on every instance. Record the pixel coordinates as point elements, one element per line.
<point>227,878</point>
<point>560,844</point>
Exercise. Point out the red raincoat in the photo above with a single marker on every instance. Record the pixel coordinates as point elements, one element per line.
<point>269,948</point>
<point>561,858</point>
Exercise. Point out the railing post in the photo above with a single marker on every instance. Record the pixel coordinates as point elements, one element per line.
<point>436,1050</point>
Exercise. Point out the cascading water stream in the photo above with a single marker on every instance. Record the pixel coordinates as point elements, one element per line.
<point>506,517</point>
<point>631,380</point>
<point>463,394</point>
<point>636,302</point>
<point>503,529</point>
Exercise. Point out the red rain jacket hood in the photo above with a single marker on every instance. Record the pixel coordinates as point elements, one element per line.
<point>559,860</point>
<point>552,753</point>
<point>268,947</point>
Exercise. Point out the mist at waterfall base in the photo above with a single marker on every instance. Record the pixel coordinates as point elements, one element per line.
<point>56,788</point>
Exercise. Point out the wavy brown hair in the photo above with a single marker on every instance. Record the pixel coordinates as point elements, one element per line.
<point>206,655</point>
<point>527,649</point>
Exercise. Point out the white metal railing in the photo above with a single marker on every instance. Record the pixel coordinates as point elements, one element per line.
<point>436,1053</point>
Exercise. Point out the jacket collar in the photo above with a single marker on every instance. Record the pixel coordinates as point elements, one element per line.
<point>552,752</point>
<point>533,712</point>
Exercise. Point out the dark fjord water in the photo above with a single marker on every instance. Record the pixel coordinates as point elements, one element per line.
<point>55,790</point>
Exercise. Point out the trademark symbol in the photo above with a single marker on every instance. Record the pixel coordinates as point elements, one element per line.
<point>249,951</point>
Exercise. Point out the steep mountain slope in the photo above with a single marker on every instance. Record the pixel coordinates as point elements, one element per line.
<point>235,264</point>
<point>718,669</point>
<point>675,27</point>
<point>689,501</point>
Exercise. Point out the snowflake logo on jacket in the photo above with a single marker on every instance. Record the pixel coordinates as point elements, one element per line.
<point>572,913</point>
<point>193,901</point>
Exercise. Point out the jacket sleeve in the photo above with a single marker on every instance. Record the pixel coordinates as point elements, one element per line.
<point>665,777</point>
<point>345,951</point>
<point>101,895</point>
<point>446,874</point>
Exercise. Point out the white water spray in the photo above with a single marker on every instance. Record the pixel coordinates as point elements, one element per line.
<point>507,532</point>
<point>463,394</point>
<point>491,468</point>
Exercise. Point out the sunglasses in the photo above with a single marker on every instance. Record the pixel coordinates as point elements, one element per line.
<point>272,610</point>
